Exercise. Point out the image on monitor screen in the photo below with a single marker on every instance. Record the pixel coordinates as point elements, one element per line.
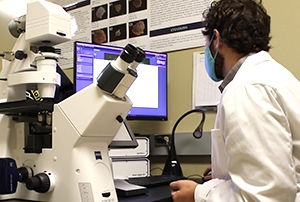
<point>148,93</point>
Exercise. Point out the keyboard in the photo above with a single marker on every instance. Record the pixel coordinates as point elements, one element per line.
<point>154,180</point>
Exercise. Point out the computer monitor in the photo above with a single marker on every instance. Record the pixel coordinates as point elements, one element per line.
<point>148,93</point>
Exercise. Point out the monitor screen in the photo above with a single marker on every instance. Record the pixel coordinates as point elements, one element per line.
<point>148,93</point>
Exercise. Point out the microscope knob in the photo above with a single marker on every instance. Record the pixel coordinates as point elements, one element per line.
<point>39,183</point>
<point>119,119</point>
<point>20,55</point>
<point>25,173</point>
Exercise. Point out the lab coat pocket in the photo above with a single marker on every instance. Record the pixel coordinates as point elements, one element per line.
<point>218,155</point>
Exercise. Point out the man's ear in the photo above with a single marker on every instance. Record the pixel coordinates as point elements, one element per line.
<point>218,41</point>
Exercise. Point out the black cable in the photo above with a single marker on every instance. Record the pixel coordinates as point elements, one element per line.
<point>156,168</point>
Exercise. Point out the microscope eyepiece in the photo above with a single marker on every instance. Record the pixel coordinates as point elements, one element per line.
<point>140,55</point>
<point>129,53</point>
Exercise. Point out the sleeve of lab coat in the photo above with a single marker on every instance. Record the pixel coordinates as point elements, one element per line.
<point>258,143</point>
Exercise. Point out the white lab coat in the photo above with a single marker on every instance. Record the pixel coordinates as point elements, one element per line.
<point>256,138</point>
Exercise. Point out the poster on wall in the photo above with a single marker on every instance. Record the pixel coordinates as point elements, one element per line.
<point>155,25</point>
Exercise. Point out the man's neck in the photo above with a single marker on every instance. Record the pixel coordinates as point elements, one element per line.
<point>231,57</point>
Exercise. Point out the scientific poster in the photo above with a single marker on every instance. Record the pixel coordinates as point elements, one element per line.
<point>155,25</point>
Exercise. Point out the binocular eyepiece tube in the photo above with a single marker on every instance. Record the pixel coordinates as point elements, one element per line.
<point>118,75</point>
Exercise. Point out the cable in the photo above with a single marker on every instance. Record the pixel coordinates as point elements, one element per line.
<point>156,168</point>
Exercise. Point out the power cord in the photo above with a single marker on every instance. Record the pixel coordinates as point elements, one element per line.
<point>156,168</point>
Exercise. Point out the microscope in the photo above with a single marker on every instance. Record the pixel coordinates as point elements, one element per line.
<point>58,152</point>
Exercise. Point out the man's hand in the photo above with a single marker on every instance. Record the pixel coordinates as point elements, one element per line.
<point>207,174</point>
<point>183,190</point>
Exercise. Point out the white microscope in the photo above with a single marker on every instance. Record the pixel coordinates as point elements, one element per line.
<point>58,152</point>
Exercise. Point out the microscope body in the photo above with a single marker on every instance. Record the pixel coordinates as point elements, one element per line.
<point>73,162</point>
<point>83,127</point>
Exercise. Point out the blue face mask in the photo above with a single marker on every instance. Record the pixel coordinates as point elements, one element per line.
<point>209,61</point>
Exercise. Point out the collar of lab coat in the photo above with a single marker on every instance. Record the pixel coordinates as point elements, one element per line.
<point>248,60</point>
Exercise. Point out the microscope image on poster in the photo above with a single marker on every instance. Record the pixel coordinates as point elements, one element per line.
<point>57,149</point>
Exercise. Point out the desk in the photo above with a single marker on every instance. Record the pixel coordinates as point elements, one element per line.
<point>155,194</point>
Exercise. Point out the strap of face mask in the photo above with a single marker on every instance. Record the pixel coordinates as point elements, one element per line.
<point>210,42</point>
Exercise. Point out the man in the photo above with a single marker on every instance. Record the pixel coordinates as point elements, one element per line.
<point>256,138</point>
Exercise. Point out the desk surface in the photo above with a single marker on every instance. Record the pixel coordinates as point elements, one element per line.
<point>155,194</point>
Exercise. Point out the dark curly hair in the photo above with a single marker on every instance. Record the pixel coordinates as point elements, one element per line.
<point>244,25</point>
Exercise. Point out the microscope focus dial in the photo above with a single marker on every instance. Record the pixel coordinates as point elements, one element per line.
<point>41,182</point>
